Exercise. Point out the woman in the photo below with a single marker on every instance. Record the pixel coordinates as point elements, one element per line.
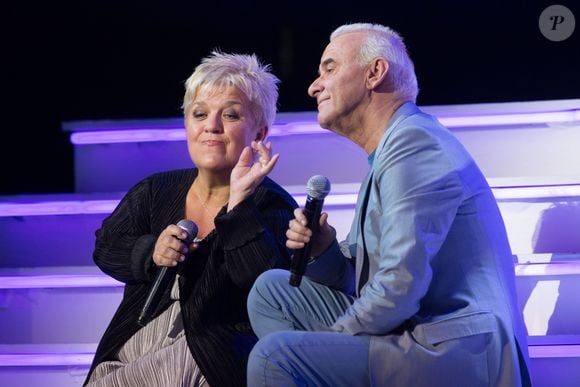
<point>200,333</point>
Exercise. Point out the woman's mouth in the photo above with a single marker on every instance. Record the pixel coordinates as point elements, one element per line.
<point>212,142</point>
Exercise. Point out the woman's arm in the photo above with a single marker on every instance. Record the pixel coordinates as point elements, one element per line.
<point>124,242</point>
<point>253,235</point>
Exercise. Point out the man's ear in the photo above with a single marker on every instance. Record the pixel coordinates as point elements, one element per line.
<point>376,73</point>
<point>261,134</point>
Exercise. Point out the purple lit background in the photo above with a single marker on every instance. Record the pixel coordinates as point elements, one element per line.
<point>58,285</point>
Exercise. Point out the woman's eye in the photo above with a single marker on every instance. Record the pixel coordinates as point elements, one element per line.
<point>231,116</point>
<point>198,115</point>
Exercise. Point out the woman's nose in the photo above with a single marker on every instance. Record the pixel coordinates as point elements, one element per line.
<point>213,125</point>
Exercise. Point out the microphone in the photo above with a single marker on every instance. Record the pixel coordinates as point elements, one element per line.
<point>164,275</point>
<point>317,188</point>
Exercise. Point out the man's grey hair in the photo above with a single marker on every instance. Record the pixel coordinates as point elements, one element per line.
<point>382,41</point>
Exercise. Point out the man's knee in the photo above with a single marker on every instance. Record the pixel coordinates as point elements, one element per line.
<point>272,277</point>
<point>265,285</point>
<point>269,357</point>
<point>274,348</point>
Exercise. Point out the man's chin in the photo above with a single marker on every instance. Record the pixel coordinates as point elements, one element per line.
<point>323,122</point>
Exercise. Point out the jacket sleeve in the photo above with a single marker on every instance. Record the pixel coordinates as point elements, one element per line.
<point>334,268</point>
<point>254,236</point>
<point>419,194</point>
<point>124,242</point>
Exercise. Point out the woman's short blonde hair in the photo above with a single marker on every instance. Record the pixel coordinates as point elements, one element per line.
<point>245,72</point>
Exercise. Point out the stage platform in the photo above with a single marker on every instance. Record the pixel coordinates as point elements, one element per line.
<point>55,304</point>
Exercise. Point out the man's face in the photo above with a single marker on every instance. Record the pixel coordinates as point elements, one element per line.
<point>340,85</point>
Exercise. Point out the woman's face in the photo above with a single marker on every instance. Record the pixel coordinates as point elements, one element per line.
<point>219,125</point>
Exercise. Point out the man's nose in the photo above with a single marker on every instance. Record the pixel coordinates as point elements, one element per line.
<point>314,89</point>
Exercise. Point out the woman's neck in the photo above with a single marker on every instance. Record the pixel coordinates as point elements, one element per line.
<point>211,189</point>
<point>205,199</point>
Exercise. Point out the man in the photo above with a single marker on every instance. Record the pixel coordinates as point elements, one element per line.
<point>422,291</point>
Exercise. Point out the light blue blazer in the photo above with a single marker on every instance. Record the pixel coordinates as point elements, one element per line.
<point>441,278</point>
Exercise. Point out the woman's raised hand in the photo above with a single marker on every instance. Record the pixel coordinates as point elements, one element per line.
<point>248,174</point>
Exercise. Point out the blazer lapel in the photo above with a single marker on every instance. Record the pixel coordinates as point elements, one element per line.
<point>358,225</point>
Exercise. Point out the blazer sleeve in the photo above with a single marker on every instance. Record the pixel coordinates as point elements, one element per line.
<point>419,192</point>
<point>254,235</point>
<point>334,268</point>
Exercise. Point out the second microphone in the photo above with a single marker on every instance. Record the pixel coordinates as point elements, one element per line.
<point>317,188</point>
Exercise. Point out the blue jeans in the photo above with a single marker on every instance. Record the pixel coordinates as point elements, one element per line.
<point>297,346</point>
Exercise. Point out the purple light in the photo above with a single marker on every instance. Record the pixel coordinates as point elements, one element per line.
<point>58,208</point>
<point>551,351</point>
<point>58,281</point>
<point>338,199</point>
<point>148,135</point>
<point>537,192</point>
<point>45,359</point>
<point>510,119</point>
<point>121,136</point>
<point>104,281</point>
<point>306,123</point>
<point>548,269</point>
<point>85,359</point>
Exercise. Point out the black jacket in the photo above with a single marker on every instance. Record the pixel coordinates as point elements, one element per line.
<point>214,280</point>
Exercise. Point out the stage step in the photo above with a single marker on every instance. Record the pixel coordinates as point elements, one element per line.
<point>535,141</point>
<point>66,365</point>
<point>51,230</point>
<point>45,365</point>
<point>55,303</point>
<point>80,301</point>
<point>59,230</point>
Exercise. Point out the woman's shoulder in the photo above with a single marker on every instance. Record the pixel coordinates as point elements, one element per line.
<point>162,182</point>
<point>171,178</point>
<point>174,175</point>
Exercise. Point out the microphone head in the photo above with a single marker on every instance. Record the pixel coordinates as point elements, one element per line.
<point>190,227</point>
<point>318,187</point>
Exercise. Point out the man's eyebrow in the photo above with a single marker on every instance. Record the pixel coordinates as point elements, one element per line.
<point>325,63</point>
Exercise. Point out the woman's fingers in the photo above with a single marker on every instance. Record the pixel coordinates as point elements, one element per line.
<point>265,162</point>
<point>169,249</point>
<point>264,152</point>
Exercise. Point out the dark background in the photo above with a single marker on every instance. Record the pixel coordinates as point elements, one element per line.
<point>105,59</point>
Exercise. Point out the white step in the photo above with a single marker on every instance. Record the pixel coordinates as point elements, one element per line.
<point>531,140</point>
<point>555,365</point>
<point>51,230</point>
<point>54,365</point>
<point>539,219</point>
<point>67,365</point>
<point>80,301</point>
<point>56,305</point>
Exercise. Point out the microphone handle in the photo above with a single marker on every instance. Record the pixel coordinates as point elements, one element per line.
<point>312,211</point>
<point>165,275</point>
